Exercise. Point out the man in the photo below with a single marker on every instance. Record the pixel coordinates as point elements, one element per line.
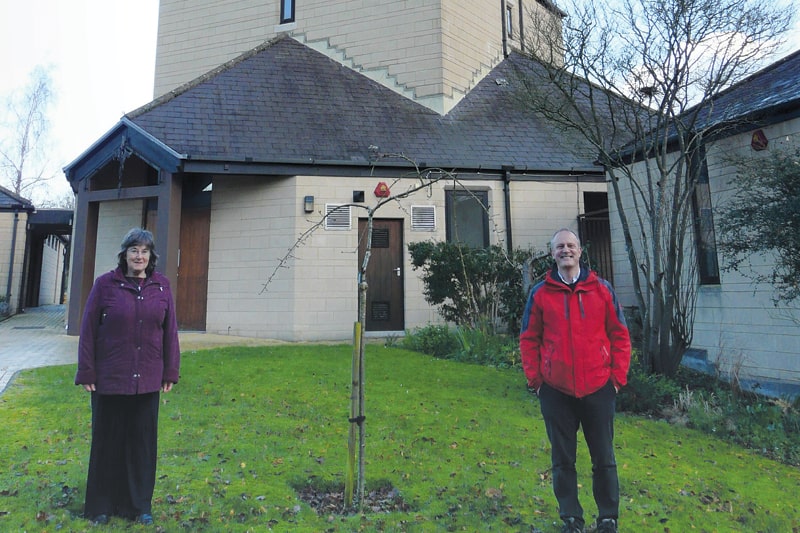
<point>576,351</point>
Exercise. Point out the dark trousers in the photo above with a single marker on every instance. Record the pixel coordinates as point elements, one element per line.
<point>563,415</point>
<point>122,462</point>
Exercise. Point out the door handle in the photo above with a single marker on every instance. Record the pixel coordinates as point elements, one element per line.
<point>397,271</point>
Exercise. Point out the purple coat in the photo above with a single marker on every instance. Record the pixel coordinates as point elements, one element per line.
<point>129,336</point>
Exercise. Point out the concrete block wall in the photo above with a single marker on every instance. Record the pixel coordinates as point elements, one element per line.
<point>435,50</point>
<point>50,288</point>
<point>736,324</point>
<point>115,220</point>
<point>255,221</point>
<point>6,265</point>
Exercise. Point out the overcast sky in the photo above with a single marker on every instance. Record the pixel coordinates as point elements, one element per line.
<point>102,57</point>
<point>101,54</point>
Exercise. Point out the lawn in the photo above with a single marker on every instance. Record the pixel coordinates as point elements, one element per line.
<point>464,445</point>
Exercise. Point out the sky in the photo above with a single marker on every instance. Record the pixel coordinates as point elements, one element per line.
<point>102,59</point>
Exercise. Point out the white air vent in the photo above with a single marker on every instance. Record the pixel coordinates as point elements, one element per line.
<point>423,217</point>
<point>337,216</point>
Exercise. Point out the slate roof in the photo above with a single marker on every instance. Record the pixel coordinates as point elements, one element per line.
<point>769,92</point>
<point>11,201</point>
<point>285,102</point>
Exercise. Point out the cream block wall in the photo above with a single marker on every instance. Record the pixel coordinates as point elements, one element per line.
<point>249,230</point>
<point>431,50</point>
<point>115,220</point>
<point>6,238</point>
<point>256,220</point>
<point>539,208</point>
<point>52,267</point>
<point>736,321</point>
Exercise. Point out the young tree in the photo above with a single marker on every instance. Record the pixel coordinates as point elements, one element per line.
<point>763,218</point>
<point>634,79</point>
<point>23,143</point>
<point>414,182</point>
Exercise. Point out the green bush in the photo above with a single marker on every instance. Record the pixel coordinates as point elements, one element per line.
<point>465,344</point>
<point>476,287</point>
<point>646,394</point>
<point>437,341</point>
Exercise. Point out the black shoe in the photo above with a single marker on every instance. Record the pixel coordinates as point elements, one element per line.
<point>572,525</point>
<point>145,519</point>
<point>101,519</point>
<point>606,525</point>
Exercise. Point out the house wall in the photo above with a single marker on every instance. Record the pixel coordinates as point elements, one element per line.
<point>256,221</point>
<point>6,238</point>
<point>115,220</point>
<point>433,51</point>
<point>540,208</point>
<point>736,323</point>
<point>52,267</point>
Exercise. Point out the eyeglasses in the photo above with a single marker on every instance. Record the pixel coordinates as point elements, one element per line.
<point>139,251</point>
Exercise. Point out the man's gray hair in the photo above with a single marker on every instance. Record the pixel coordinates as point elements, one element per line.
<point>553,238</point>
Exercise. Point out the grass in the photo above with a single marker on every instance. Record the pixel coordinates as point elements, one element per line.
<point>464,445</point>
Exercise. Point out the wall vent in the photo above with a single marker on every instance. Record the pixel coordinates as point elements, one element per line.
<point>423,217</point>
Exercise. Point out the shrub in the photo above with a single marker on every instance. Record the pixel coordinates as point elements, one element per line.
<point>465,344</point>
<point>480,347</point>
<point>437,341</point>
<point>475,287</point>
<point>646,394</point>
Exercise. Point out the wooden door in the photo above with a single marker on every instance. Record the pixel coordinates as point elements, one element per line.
<point>192,293</point>
<point>385,303</point>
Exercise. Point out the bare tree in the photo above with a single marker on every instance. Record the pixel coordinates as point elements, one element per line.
<point>634,80</point>
<point>23,144</point>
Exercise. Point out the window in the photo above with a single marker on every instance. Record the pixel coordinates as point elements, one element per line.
<point>705,238</point>
<point>510,21</point>
<point>287,11</point>
<point>467,217</point>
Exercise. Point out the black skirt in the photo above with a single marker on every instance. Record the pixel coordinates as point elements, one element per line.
<point>122,463</point>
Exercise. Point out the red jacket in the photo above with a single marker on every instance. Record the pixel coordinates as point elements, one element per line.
<point>129,336</point>
<point>574,340</point>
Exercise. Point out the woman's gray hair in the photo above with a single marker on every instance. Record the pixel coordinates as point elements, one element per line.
<point>138,237</point>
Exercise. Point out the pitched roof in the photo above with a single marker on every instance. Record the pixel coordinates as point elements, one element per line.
<point>284,102</point>
<point>769,92</point>
<point>12,201</point>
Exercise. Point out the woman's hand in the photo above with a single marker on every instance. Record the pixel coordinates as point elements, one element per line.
<point>89,387</point>
<point>166,386</point>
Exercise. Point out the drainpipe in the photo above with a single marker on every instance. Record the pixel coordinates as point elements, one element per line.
<point>507,195</point>
<point>13,249</point>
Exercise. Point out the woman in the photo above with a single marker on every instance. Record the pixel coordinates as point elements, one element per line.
<point>128,352</point>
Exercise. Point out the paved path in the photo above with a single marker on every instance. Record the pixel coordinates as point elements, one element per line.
<point>38,338</point>
<point>33,339</point>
